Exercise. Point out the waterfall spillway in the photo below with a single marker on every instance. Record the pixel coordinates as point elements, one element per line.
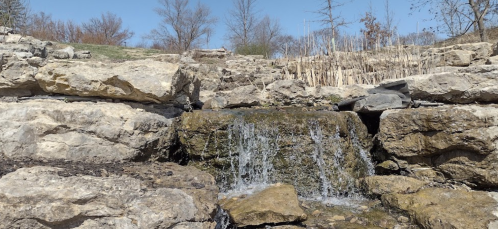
<point>320,165</point>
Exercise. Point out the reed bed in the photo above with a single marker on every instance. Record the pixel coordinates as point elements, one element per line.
<point>322,66</point>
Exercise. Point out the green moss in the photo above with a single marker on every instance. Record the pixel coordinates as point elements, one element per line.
<point>334,99</point>
<point>110,52</point>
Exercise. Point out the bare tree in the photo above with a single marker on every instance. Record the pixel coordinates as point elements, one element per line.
<point>182,28</point>
<point>329,17</point>
<point>106,30</point>
<point>241,22</point>
<point>14,14</point>
<point>389,25</point>
<point>456,13</point>
<point>266,34</point>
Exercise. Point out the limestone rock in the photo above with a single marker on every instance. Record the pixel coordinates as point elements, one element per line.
<point>17,75</point>
<point>459,141</point>
<point>42,197</point>
<point>141,80</point>
<point>458,55</point>
<point>66,53</point>
<point>445,208</point>
<point>245,96</point>
<point>85,54</point>
<point>474,84</point>
<point>276,204</point>
<point>85,131</point>
<point>5,30</point>
<point>380,185</point>
<point>287,92</point>
<point>378,103</point>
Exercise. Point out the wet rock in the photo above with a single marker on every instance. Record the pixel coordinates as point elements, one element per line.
<point>52,129</point>
<point>38,197</point>
<point>271,145</point>
<point>276,204</point>
<point>446,208</point>
<point>458,141</point>
<point>380,185</point>
<point>142,81</point>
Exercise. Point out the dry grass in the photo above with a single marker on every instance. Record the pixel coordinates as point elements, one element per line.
<point>358,67</point>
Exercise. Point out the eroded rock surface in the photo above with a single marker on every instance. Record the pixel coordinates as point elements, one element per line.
<point>48,197</point>
<point>141,80</point>
<point>437,208</point>
<point>84,131</point>
<point>458,141</point>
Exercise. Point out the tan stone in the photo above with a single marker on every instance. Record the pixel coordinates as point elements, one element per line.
<point>444,208</point>
<point>276,204</point>
<point>380,185</point>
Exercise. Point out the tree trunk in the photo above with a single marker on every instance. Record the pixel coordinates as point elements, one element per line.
<point>479,17</point>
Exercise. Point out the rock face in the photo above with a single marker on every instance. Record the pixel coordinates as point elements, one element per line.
<point>319,152</point>
<point>437,208</point>
<point>142,81</point>
<point>274,205</point>
<point>48,129</point>
<point>46,197</point>
<point>458,141</point>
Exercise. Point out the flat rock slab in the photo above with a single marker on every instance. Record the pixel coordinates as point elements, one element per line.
<point>439,208</point>
<point>469,85</point>
<point>48,197</point>
<point>141,80</point>
<point>81,131</point>
<point>458,141</point>
<point>276,204</point>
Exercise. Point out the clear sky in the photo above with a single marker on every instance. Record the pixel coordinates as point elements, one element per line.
<point>139,15</point>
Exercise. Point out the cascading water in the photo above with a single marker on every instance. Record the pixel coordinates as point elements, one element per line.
<point>251,152</point>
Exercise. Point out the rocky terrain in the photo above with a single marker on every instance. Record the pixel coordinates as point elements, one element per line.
<point>209,139</point>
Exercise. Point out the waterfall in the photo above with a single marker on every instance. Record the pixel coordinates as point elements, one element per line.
<point>320,163</point>
<point>251,151</point>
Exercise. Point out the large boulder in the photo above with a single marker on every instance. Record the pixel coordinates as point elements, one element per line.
<point>48,197</point>
<point>437,208</point>
<point>276,204</point>
<point>245,96</point>
<point>470,85</point>
<point>141,80</point>
<point>458,141</point>
<point>86,131</point>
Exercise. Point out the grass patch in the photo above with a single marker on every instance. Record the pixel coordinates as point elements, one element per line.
<point>109,52</point>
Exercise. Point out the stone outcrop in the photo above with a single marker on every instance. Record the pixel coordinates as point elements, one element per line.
<point>461,55</point>
<point>274,205</point>
<point>142,81</point>
<point>458,141</point>
<point>47,197</point>
<point>304,148</point>
<point>85,131</point>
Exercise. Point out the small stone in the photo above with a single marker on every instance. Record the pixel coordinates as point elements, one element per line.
<point>403,219</point>
<point>316,213</point>
<point>363,208</point>
<point>337,218</point>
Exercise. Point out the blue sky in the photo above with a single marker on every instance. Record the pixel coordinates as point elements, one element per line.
<point>139,15</point>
